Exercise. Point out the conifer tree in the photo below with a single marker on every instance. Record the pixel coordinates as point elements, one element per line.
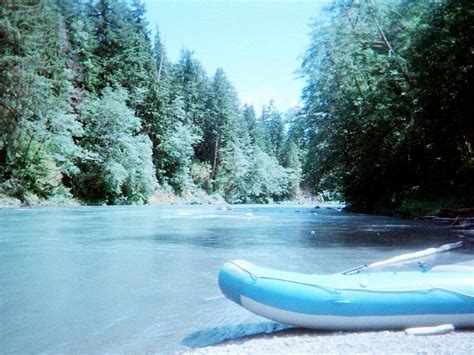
<point>190,82</point>
<point>37,150</point>
<point>272,126</point>
<point>220,125</point>
<point>249,117</point>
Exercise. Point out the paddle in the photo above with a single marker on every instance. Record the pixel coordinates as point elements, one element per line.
<point>405,257</point>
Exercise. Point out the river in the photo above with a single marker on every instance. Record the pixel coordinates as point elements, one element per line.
<point>137,279</point>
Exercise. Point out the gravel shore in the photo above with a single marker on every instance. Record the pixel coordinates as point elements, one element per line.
<point>299,341</point>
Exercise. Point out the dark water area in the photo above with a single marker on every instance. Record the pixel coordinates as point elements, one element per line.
<point>141,279</point>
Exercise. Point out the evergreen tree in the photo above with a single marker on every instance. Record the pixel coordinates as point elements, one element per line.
<point>161,61</point>
<point>292,163</point>
<point>233,175</point>
<point>220,124</point>
<point>177,149</point>
<point>123,48</point>
<point>272,126</point>
<point>249,118</point>
<point>37,149</point>
<point>191,84</point>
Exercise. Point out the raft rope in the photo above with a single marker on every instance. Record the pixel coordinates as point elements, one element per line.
<point>338,290</point>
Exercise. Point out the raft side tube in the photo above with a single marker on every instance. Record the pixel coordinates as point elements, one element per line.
<point>233,277</point>
<point>351,302</point>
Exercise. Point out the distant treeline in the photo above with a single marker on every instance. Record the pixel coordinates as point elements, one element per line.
<point>92,108</point>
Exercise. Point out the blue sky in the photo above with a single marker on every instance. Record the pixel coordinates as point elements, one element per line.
<point>257,43</point>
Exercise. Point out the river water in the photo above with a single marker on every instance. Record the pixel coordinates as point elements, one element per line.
<point>138,279</point>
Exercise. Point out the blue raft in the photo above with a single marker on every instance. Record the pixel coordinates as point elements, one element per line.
<point>359,301</point>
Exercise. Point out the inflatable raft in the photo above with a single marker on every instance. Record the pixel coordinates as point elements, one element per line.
<point>354,301</point>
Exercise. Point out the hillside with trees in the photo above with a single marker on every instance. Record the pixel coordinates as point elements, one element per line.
<point>92,109</point>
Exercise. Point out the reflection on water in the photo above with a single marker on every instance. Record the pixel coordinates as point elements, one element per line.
<point>144,279</point>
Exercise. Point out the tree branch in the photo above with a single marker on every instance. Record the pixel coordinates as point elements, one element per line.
<point>385,40</point>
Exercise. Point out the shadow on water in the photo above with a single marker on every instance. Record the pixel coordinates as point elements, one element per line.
<point>217,335</point>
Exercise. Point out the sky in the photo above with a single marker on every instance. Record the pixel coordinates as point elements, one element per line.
<point>257,43</point>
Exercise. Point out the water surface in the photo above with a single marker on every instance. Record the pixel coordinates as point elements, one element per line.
<point>144,279</point>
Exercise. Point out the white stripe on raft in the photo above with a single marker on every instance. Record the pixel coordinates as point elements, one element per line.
<point>354,323</point>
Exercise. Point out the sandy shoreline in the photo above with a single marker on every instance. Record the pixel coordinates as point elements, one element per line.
<point>301,341</point>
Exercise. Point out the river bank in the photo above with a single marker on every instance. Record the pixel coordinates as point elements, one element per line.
<point>301,341</point>
<point>160,197</point>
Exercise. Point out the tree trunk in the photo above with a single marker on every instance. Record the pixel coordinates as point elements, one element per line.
<point>216,156</point>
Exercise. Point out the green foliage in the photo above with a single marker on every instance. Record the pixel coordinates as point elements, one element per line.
<point>91,109</point>
<point>250,128</point>
<point>268,180</point>
<point>37,147</point>
<point>442,59</point>
<point>252,176</point>
<point>220,125</point>
<point>90,106</point>
<point>386,101</point>
<point>292,158</point>
<point>273,131</point>
<point>233,177</point>
<point>200,172</point>
<point>118,168</point>
<point>190,83</point>
<point>179,158</point>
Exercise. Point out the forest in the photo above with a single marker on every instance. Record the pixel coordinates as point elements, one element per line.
<point>93,110</point>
